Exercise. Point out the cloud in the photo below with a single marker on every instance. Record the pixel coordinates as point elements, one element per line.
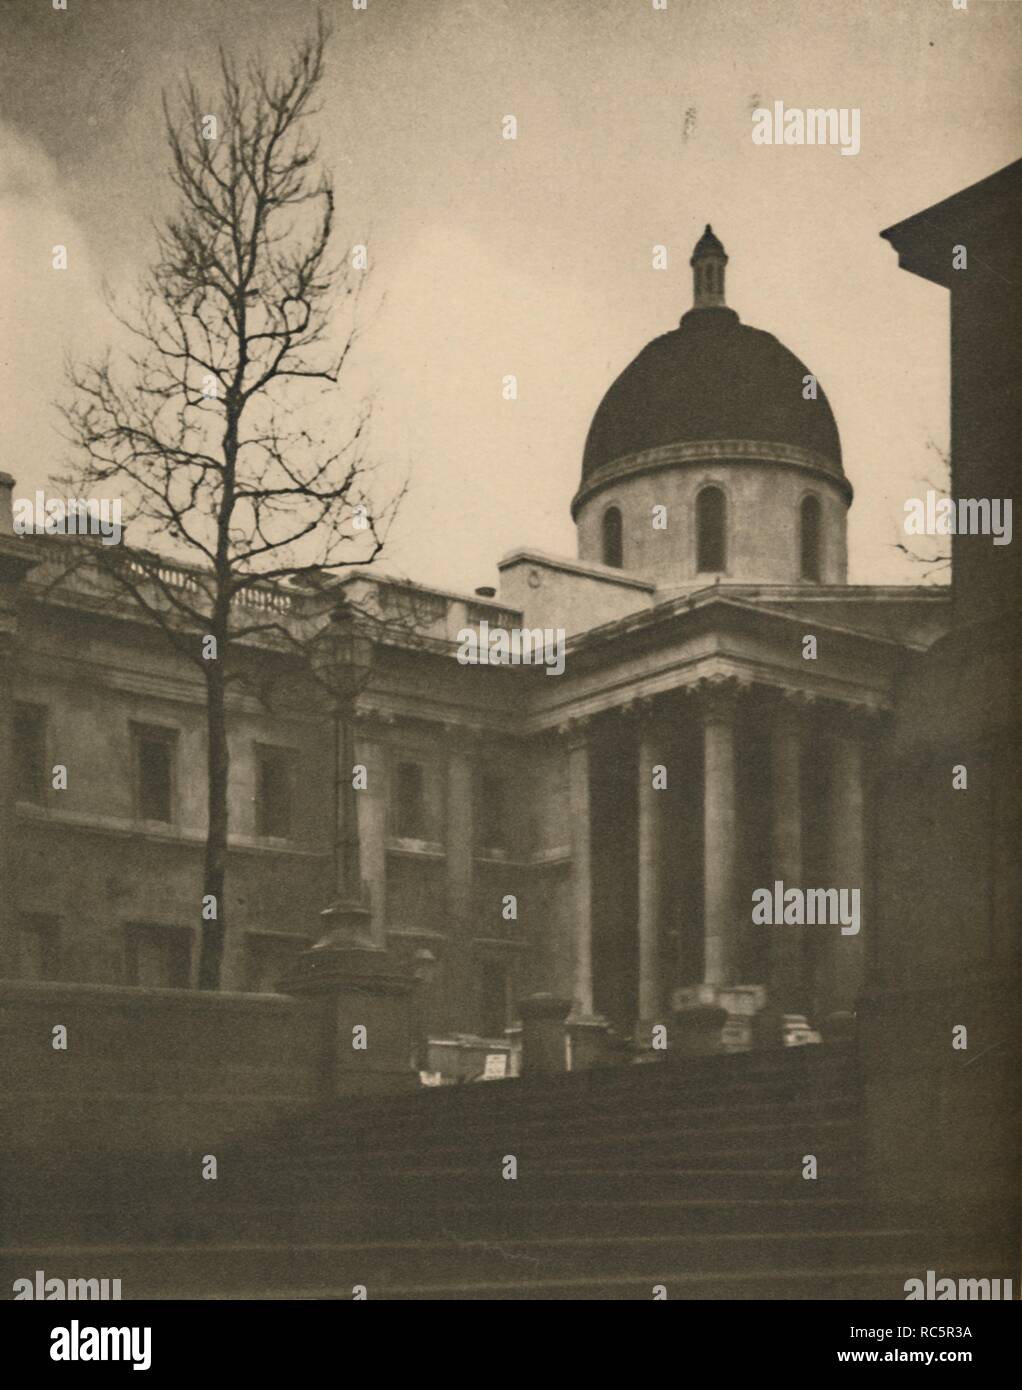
<point>43,312</point>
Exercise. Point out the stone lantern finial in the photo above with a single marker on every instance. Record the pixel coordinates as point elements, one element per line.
<point>708,261</point>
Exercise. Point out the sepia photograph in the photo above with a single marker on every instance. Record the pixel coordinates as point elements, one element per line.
<point>510,667</point>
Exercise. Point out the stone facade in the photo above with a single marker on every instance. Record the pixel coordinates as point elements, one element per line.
<point>512,838</point>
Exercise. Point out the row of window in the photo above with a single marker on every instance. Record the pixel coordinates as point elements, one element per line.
<point>154,755</point>
<point>712,536</point>
<point>155,956</point>
<point>154,764</point>
<point>414,819</point>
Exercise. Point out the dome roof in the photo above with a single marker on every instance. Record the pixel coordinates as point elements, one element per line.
<point>712,378</point>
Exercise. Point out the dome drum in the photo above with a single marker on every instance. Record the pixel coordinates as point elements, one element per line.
<point>714,398</point>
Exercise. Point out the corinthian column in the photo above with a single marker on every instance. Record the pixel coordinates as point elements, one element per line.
<point>717,708</point>
<point>578,755</point>
<point>652,806</point>
<point>786,942</point>
<point>843,972</point>
<point>587,1031</point>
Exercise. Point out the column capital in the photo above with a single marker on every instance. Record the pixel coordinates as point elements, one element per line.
<point>788,707</point>
<point>717,697</point>
<point>576,730</point>
<point>646,706</point>
<point>629,709</point>
<point>858,721</point>
<point>372,718</point>
<point>637,709</point>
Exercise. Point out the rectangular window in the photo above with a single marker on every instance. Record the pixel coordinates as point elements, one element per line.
<point>155,749</point>
<point>410,808</point>
<point>274,802</point>
<point>30,770</point>
<point>159,957</point>
<point>491,811</point>
<point>39,948</point>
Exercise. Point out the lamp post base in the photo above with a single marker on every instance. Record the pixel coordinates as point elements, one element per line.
<point>365,996</point>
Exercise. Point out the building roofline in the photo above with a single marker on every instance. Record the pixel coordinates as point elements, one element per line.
<point>731,605</point>
<point>588,569</point>
<point>921,240</point>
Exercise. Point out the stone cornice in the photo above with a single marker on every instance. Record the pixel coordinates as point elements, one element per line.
<point>379,719</point>
<point>699,452</point>
<point>179,688</point>
<point>144,998</point>
<point>122,828</point>
<point>717,608</point>
<point>703,677</point>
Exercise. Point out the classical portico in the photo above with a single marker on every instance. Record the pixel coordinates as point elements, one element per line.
<point>683,922</point>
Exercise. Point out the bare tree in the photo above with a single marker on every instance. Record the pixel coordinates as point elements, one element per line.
<point>206,425</point>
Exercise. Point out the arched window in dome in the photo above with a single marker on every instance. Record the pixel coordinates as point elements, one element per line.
<point>711,531</point>
<point>809,538</point>
<point>613,542</point>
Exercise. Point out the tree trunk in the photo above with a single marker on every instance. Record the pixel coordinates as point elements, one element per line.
<point>214,932</point>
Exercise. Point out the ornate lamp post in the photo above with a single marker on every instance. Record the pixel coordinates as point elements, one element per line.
<point>344,669</point>
<point>366,997</point>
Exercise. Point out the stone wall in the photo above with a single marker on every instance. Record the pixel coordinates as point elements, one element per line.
<point>553,592</point>
<point>943,1125</point>
<point>150,1069</point>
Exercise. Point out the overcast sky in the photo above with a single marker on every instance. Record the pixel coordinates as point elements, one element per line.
<point>533,257</point>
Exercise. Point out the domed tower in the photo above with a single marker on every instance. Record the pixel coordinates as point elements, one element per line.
<point>723,427</point>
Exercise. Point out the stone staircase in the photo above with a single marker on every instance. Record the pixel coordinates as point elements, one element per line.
<point>686,1175</point>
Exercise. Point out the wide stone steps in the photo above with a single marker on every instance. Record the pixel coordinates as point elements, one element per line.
<point>685,1175</point>
<point>813,1284</point>
<point>834,1150</point>
<point>217,1215</point>
<point>601,1184</point>
<point>646,1133</point>
<point>443,1106</point>
<point>709,1081</point>
<point>146,1271</point>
